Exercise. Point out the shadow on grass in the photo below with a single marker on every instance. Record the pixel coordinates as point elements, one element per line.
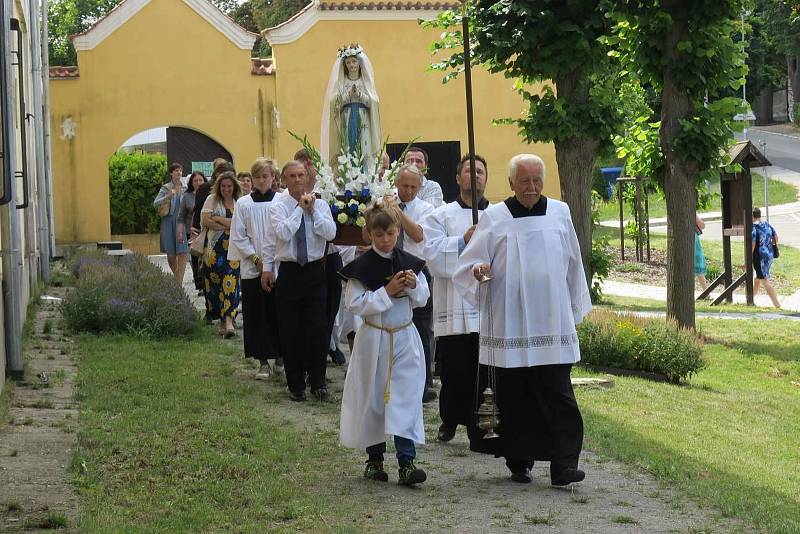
<point>731,494</point>
<point>777,349</point>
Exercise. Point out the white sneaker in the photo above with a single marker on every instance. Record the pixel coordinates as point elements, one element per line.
<point>263,372</point>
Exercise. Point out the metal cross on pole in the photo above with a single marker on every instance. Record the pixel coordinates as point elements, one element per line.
<point>470,121</point>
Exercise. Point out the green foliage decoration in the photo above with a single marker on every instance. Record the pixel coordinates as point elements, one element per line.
<point>134,181</point>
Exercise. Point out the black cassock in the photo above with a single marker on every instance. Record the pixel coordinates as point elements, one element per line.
<point>539,416</point>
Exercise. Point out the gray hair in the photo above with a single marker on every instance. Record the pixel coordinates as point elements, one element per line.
<point>413,169</point>
<point>519,159</point>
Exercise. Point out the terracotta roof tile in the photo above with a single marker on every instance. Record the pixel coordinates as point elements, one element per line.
<point>261,66</point>
<point>60,73</point>
<point>379,6</point>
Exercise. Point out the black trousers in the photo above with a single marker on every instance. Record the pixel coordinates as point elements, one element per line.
<point>333,263</point>
<point>422,319</point>
<point>301,300</point>
<point>539,417</point>
<point>260,328</point>
<point>458,356</point>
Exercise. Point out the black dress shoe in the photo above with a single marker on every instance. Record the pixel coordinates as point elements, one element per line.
<point>297,396</point>
<point>446,432</point>
<point>428,396</point>
<point>337,357</point>
<point>566,477</point>
<point>322,395</point>
<point>523,477</point>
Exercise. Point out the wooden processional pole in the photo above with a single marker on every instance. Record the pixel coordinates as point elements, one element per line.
<point>470,121</point>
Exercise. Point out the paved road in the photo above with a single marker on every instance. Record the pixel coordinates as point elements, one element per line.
<point>782,150</point>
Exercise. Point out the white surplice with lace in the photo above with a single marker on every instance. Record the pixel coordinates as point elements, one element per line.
<point>538,292</point>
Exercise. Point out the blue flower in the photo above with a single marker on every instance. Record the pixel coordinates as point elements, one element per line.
<point>334,210</point>
<point>348,194</point>
<point>365,193</point>
<point>353,209</point>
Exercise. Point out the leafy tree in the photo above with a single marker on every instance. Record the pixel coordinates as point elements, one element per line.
<point>685,50</point>
<point>257,15</point>
<point>555,44</point>
<point>766,63</point>
<point>68,17</point>
<point>782,22</point>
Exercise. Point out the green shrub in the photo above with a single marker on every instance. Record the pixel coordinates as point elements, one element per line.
<point>640,344</point>
<point>126,294</point>
<point>134,181</point>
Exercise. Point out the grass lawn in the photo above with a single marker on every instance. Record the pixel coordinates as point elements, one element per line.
<point>729,437</point>
<point>171,440</point>
<point>785,270</point>
<point>779,193</point>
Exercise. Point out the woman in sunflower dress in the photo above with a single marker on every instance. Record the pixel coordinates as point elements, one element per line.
<point>221,276</point>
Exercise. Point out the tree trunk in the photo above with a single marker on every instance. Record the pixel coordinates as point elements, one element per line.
<point>762,107</point>
<point>680,189</point>
<point>575,159</point>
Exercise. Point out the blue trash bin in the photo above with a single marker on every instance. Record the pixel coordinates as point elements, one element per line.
<point>610,175</point>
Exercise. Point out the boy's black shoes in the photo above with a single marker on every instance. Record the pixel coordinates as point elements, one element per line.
<point>566,477</point>
<point>523,476</point>
<point>446,432</point>
<point>375,471</point>
<point>297,396</point>
<point>410,475</point>
<point>337,357</point>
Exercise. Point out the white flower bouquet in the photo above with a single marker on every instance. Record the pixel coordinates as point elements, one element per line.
<point>351,188</point>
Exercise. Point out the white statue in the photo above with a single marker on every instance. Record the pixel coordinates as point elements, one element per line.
<point>351,112</point>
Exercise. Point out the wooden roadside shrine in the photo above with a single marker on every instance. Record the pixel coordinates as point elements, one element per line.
<point>737,219</point>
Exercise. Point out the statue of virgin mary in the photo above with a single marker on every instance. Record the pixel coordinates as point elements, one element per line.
<point>351,111</point>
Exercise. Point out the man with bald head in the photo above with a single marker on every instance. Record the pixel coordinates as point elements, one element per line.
<point>529,309</point>
<point>412,240</point>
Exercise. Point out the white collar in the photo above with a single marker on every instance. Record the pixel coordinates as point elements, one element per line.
<point>380,253</point>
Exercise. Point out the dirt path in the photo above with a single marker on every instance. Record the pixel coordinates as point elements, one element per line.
<point>468,492</point>
<point>36,445</point>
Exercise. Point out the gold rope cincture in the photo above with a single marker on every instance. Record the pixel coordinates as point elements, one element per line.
<point>391,332</point>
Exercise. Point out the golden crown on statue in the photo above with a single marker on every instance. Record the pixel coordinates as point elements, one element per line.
<point>353,49</point>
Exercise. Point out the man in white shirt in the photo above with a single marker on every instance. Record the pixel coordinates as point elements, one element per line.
<point>412,240</point>
<point>430,190</point>
<point>529,310</point>
<point>302,225</point>
<point>448,230</point>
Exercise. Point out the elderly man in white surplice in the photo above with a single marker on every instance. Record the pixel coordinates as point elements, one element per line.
<point>529,310</point>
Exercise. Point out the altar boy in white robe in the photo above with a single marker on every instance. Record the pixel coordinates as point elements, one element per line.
<point>252,242</point>
<point>529,310</point>
<point>448,230</point>
<point>386,374</point>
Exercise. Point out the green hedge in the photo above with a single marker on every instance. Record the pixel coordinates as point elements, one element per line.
<point>134,183</point>
<point>126,294</point>
<point>635,343</point>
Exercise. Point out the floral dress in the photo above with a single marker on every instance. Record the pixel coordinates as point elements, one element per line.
<point>763,236</point>
<point>221,278</point>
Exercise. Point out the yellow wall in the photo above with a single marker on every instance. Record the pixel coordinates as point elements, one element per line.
<point>166,66</point>
<point>414,103</point>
